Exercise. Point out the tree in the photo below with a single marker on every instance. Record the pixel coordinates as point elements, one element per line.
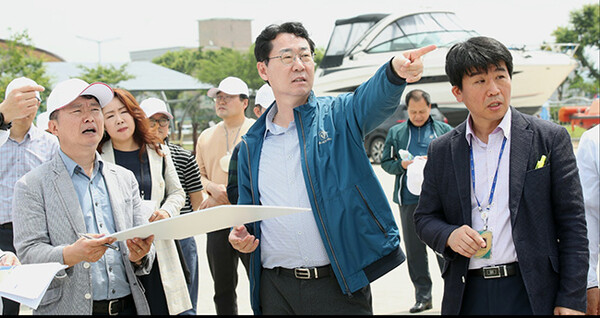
<point>109,74</point>
<point>584,29</point>
<point>18,59</point>
<point>218,64</point>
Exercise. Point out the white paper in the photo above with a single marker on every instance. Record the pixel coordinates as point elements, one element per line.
<point>204,221</point>
<point>414,175</point>
<point>27,284</point>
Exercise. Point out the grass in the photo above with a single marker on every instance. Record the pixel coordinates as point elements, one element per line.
<point>576,132</point>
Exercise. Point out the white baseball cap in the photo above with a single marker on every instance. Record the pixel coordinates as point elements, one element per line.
<point>153,106</point>
<point>67,91</point>
<point>42,119</point>
<point>20,82</point>
<point>264,96</point>
<point>230,85</point>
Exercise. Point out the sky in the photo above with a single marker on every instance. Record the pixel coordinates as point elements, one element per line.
<point>131,25</point>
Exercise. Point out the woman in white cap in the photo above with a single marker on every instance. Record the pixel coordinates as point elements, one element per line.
<point>129,142</point>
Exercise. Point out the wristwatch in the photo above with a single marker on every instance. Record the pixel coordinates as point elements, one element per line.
<point>3,125</point>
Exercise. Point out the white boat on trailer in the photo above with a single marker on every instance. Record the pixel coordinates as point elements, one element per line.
<point>360,45</point>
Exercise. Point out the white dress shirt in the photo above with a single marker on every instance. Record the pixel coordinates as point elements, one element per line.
<point>293,240</point>
<point>588,163</point>
<point>485,158</point>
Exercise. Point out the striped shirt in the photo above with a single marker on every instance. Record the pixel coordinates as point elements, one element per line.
<point>188,172</point>
<point>18,158</point>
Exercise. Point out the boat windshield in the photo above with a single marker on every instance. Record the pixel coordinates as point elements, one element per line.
<point>440,28</point>
<point>344,37</point>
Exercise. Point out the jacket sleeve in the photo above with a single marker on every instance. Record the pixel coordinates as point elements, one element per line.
<point>374,100</point>
<point>390,162</point>
<point>569,216</point>
<point>175,196</point>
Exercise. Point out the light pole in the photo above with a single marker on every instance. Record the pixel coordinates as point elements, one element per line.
<point>99,44</point>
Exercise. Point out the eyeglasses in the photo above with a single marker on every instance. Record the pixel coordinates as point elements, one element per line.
<point>288,58</point>
<point>225,98</point>
<point>163,122</point>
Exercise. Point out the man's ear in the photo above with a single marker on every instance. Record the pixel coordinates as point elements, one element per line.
<point>457,94</point>
<point>53,127</point>
<point>262,70</point>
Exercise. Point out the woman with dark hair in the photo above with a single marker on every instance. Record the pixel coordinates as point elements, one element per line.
<point>129,142</point>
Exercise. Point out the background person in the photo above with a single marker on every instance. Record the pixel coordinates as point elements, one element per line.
<point>264,98</point>
<point>129,143</point>
<point>77,192</point>
<point>189,176</point>
<point>588,162</point>
<point>307,151</point>
<point>213,153</point>
<point>501,199</point>
<point>21,102</point>
<point>25,148</point>
<point>414,136</point>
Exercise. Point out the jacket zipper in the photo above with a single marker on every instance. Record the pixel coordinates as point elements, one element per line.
<point>371,212</point>
<point>319,211</point>
<point>254,203</point>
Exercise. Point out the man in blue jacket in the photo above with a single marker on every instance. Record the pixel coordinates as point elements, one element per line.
<point>307,151</point>
<point>414,136</point>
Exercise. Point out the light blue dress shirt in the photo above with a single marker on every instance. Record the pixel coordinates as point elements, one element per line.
<point>18,158</point>
<point>109,279</point>
<point>293,240</point>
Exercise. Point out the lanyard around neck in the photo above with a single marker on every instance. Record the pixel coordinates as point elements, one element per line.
<point>493,189</point>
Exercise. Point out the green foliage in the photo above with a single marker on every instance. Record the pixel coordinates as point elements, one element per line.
<point>584,29</point>
<point>108,74</point>
<point>184,61</point>
<point>17,60</point>
<point>219,64</point>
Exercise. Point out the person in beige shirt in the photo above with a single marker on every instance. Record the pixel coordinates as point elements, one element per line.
<point>213,152</point>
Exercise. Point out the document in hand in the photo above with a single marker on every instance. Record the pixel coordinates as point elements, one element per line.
<point>204,221</point>
<point>27,284</point>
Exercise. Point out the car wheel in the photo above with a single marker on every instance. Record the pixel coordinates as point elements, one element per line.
<point>376,149</point>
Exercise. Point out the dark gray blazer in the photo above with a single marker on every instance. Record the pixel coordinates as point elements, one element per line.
<point>546,213</point>
<point>47,217</point>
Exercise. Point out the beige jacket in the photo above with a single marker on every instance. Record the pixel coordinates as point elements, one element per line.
<point>173,279</point>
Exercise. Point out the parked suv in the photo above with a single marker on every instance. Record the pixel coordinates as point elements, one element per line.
<point>375,140</point>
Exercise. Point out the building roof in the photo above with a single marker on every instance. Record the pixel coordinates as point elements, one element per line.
<point>41,53</point>
<point>148,76</point>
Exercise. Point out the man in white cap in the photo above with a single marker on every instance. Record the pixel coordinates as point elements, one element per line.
<point>24,148</point>
<point>189,176</point>
<point>264,98</point>
<point>64,210</point>
<point>213,152</point>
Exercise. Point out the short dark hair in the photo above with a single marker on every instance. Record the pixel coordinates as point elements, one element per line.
<point>54,114</point>
<point>475,55</point>
<point>263,44</point>
<point>417,95</point>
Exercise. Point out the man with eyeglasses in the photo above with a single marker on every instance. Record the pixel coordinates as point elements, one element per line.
<point>189,176</point>
<point>307,151</point>
<point>413,136</point>
<point>213,153</point>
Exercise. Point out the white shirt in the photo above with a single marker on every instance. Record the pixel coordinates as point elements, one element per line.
<point>293,240</point>
<point>588,163</point>
<point>485,158</point>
